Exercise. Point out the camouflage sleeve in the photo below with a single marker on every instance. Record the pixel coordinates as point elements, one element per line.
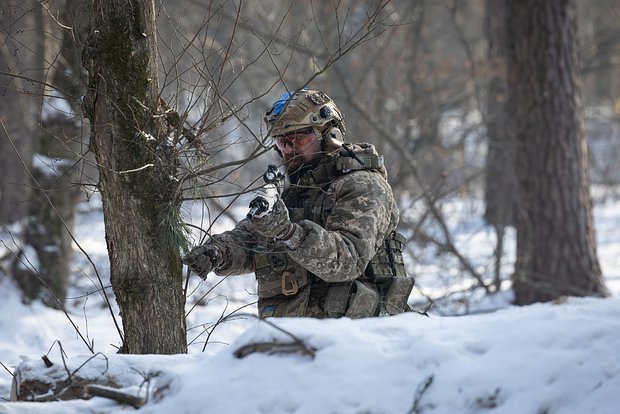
<point>364,212</point>
<point>236,246</point>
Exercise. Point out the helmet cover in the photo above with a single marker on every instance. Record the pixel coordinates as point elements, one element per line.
<point>303,109</point>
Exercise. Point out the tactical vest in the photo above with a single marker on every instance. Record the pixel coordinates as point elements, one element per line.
<point>287,289</point>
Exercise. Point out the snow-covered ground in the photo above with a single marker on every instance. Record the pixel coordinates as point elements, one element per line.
<point>540,359</point>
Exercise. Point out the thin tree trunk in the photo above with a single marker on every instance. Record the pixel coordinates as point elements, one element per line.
<point>137,169</point>
<point>500,179</point>
<point>16,113</point>
<point>52,210</point>
<point>556,248</point>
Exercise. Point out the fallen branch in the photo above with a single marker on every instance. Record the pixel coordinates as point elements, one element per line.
<point>296,346</point>
<point>54,384</point>
<point>274,348</point>
<point>120,397</point>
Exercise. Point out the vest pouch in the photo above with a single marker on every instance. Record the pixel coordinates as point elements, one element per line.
<point>379,269</point>
<point>277,275</point>
<point>337,299</point>
<point>285,306</point>
<point>394,246</point>
<point>269,267</point>
<point>363,302</point>
<point>388,262</point>
<point>397,295</point>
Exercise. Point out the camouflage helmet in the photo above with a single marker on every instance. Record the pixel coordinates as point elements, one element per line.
<point>303,109</point>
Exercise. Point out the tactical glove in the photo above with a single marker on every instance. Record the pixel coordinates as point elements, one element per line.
<point>275,224</point>
<point>202,259</point>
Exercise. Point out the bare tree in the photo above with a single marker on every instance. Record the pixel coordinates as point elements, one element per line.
<point>16,110</point>
<point>599,50</point>
<point>556,248</point>
<point>500,179</point>
<point>137,170</point>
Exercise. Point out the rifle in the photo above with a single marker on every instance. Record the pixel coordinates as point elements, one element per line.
<point>268,194</point>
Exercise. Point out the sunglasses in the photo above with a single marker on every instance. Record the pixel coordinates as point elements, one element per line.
<point>297,137</point>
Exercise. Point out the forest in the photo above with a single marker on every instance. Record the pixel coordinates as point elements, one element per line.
<point>501,115</point>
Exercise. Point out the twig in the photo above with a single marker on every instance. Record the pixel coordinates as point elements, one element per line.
<point>146,379</point>
<point>419,393</point>
<point>107,363</point>
<point>423,312</point>
<point>144,167</point>
<point>92,341</point>
<point>55,18</point>
<point>449,246</point>
<point>7,370</point>
<point>205,294</point>
<point>62,356</point>
<point>221,319</point>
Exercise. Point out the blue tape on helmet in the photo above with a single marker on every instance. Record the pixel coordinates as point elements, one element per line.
<point>279,105</point>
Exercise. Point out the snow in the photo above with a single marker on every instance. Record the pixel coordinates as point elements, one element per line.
<point>560,358</point>
<point>56,105</point>
<point>51,167</point>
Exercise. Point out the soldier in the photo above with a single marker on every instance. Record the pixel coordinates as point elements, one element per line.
<point>328,247</point>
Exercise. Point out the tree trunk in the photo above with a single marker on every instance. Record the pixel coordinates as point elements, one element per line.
<point>52,214</point>
<point>52,208</point>
<point>16,113</point>
<point>556,248</point>
<point>137,167</point>
<point>500,179</point>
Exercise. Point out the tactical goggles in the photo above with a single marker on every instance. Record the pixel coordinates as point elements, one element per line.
<point>297,137</point>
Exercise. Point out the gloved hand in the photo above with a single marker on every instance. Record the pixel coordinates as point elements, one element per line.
<point>275,224</point>
<point>202,259</point>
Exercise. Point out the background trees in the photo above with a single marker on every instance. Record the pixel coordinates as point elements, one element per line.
<point>425,81</point>
<point>41,141</point>
<point>556,248</point>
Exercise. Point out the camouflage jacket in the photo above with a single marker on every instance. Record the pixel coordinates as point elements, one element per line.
<point>345,211</point>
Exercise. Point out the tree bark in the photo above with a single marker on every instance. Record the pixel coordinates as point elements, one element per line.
<point>556,247</point>
<point>137,167</point>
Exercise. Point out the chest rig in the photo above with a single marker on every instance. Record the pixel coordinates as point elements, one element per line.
<point>287,289</point>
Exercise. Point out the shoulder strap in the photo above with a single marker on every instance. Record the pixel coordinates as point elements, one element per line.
<point>349,158</point>
<point>359,162</point>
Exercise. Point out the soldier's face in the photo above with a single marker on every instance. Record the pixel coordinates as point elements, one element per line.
<point>298,148</point>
